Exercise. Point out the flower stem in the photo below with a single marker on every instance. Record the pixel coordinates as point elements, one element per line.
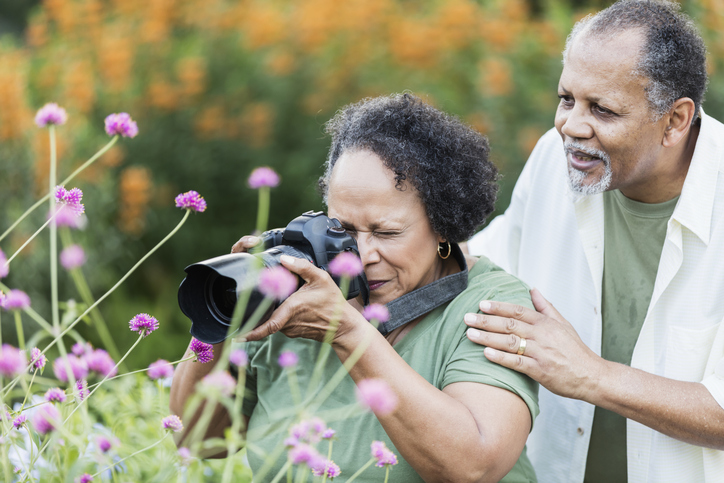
<point>359,471</point>
<point>132,455</point>
<point>282,471</point>
<point>387,472</point>
<point>19,329</point>
<point>262,216</point>
<point>48,195</point>
<point>22,406</point>
<point>31,238</point>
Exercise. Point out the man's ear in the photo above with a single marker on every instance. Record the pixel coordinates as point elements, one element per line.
<point>679,121</point>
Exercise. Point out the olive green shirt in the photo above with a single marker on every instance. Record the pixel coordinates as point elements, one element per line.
<point>436,348</point>
<point>634,235</point>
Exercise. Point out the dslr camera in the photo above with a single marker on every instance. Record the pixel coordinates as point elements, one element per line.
<point>209,293</point>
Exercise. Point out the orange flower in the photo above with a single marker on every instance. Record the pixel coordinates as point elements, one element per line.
<point>210,122</point>
<point>496,77</point>
<point>80,86</point>
<point>256,124</point>
<point>135,192</point>
<point>262,25</point>
<point>192,75</point>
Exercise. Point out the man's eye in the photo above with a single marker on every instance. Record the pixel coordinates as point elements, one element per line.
<point>602,110</point>
<point>565,99</point>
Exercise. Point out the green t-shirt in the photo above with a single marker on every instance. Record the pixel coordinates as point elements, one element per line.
<point>437,349</point>
<point>634,235</point>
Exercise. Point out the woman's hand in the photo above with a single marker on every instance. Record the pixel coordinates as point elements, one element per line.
<point>245,244</point>
<point>310,311</point>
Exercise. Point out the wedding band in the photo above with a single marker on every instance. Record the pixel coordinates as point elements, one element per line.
<point>521,347</point>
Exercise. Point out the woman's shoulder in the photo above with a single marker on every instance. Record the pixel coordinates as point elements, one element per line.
<point>486,280</point>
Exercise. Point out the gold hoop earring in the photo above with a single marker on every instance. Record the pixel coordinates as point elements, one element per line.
<point>439,251</point>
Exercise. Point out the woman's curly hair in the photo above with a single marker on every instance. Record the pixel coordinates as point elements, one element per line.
<point>445,160</point>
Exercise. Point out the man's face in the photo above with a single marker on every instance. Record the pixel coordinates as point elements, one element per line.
<point>604,118</point>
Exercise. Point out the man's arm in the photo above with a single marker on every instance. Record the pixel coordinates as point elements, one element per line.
<point>557,358</point>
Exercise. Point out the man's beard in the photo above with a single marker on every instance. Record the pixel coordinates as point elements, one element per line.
<point>576,178</point>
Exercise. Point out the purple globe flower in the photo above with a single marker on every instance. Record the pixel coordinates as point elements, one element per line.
<point>81,389</point>
<point>144,324</point>
<point>16,300</point>
<point>184,455</point>
<point>4,267</point>
<point>346,264</point>
<point>121,124</point>
<point>55,394</point>
<point>277,283</point>
<point>69,200</point>
<point>37,358</point>
<point>376,312</point>
<point>329,433</point>
<point>101,362</point>
<point>19,421</point>
<point>104,444</point>
<point>221,382</point>
<point>263,176</point>
<point>204,352</point>
<point>191,200</point>
<point>384,456</point>
<point>45,418</point>
<point>328,469</point>
<point>304,453</point>
<point>65,216</point>
<point>376,395</point>
<point>239,358</point>
<point>172,423</point>
<point>72,257</point>
<point>160,369</point>
<point>82,348</point>
<point>71,363</point>
<point>50,113</point>
<point>288,359</point>
<point>12,361</point>
<point>85,478</point>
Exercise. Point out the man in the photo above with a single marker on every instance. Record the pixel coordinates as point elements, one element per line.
<point>631,252</point>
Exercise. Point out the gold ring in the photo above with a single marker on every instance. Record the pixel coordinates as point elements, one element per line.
<point>521,347</point>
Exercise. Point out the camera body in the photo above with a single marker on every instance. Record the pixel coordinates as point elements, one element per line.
<point>212,287</point>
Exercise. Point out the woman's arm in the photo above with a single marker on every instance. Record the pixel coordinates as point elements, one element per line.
<point>467,432</point>
<point>187,374</point>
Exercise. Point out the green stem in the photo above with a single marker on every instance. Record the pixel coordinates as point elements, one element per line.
<point>141,370</point>
<point>22,406</point>
<point>132,455</point>
<point>19,329</point>
<point>236,425</point>
<point>262,216</point>
<point>361,470</point>
<point>387,472</point>
<point>31,238</point>
<point>52,188</point>
<point>282,471</point>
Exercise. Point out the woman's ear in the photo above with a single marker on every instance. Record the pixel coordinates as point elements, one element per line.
<point>679,121</point>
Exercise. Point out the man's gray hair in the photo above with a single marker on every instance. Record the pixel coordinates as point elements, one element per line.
<point>673,57</point>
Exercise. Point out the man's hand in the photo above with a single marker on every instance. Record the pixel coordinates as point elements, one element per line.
<point>554,355</point>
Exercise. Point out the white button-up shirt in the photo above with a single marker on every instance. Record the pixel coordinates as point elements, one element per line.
<point>553,240</point>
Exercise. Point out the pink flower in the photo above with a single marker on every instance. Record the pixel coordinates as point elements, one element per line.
<point>69,200</point>
<point>82,392</point>
<point>19,421</point>
<point>204,352</point>
<point>16,300</point>
<point>308,431</point>
<point>184,455</point>
<point>239,358</point>
<point>277,283</point>
<point>72,257</point>
<point>104,444</point>
<point>160,369</point>
<point>263,177</point>
<point>85,478</point>
<point>55,394</point>
<point>376,312</point>
<point>172,423</point>
<point>101,362</point>
<point>37,358</point>
<point>50,113</point>
<point>328,469</point>
<point>191,200</point>
<point>304,453</point>
<point>45,418</point>
<point>221,382</point>
<point>4,267</point>
<point>384,456</point>
<point>12,361</point>
<point>121,124</point>
<point>144,324</point>
<point>77,366</point>
<point>82,348</point>
<point>288,359</point>
<point>65,216</point>
<point>376,395</point>
<point>346,264</point>
<point>3,297</point>
<point>329,433</point>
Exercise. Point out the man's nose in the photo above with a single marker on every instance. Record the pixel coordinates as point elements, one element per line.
<point>575,123</point>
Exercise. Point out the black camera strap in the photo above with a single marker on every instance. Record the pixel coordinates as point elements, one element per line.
<point>421,301</point>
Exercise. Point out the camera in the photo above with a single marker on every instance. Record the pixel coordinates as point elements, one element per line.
<point>209,293</point>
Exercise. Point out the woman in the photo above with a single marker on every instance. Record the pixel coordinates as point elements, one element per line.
<point>409,183</point>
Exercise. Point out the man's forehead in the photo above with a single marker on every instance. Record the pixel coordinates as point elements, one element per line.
<point>623,47</point>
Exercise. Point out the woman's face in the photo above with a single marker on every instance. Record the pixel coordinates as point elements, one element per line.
<point>396,242</point>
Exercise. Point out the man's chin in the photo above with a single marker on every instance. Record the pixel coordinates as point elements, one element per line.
<point>587,183</point>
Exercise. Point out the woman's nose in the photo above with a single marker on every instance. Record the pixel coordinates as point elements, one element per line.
<point>367,249</point>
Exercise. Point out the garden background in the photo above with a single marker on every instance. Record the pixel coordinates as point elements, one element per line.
<point>219,87</point>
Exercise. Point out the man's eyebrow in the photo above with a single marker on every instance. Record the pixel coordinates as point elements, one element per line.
<point>593,99</point>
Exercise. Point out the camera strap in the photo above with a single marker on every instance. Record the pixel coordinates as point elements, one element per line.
<point>412,305</point>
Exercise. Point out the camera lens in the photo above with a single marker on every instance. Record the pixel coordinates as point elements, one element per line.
<point>221,296</point>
